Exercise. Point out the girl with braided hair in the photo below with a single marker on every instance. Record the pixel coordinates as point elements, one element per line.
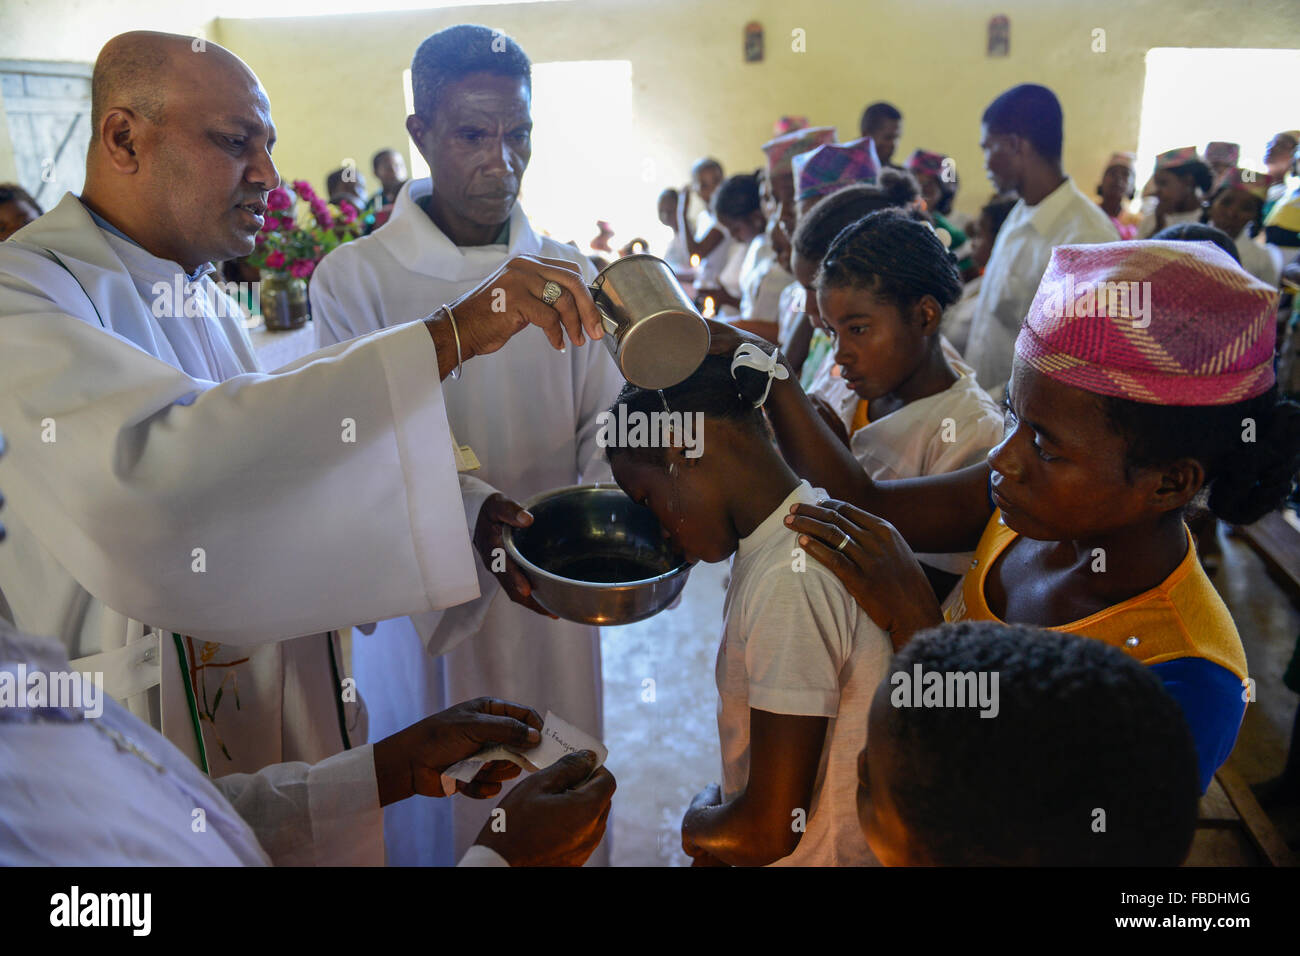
<point>911,406</point>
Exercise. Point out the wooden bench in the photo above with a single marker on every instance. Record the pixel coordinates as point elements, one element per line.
<point>1277,543</point>
<point>1233,830</point>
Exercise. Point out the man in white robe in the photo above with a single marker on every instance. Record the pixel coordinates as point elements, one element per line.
<point>528,413</point>
<point>162,484</point>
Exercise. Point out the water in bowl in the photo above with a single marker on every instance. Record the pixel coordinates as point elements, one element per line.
<point>604,569</point>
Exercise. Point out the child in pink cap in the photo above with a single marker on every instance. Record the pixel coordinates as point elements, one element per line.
<point>1143,379</point>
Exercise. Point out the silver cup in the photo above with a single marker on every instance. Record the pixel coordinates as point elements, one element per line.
<point>652,330</point>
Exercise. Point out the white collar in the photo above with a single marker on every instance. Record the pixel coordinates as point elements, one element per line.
<point>775,522</point>
<point>416,243</point>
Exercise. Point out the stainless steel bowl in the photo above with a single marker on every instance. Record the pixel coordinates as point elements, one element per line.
<point>595,556</point>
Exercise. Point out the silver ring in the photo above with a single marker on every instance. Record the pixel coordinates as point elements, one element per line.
<point>551,292</point>
<point>843,543</point>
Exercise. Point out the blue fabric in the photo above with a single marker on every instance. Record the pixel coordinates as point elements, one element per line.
<point>1213,702</point>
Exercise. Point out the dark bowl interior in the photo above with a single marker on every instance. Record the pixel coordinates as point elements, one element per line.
<point>599,536</point>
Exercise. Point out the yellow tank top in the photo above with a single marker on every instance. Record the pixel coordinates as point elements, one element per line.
<point>1182,617</point>
<point>860,418</point>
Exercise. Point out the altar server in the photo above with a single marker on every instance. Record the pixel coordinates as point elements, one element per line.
<point>529,413</point>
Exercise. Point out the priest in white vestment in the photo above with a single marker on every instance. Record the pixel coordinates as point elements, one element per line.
<point>166,496</point>
<point>528,413</point>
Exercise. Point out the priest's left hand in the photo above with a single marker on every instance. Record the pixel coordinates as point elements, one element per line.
<point>497,512</point>
<point>412,761</point>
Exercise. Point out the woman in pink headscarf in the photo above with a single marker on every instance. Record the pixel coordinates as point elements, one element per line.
<point>1135,369</point>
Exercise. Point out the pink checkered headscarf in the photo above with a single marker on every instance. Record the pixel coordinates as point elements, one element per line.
<point>782,150</point>
<point>821,171</point>
<point>1165,323</point>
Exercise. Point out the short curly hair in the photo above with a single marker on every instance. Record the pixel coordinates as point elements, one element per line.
<point>1080,727</point>
<point>455,53</point>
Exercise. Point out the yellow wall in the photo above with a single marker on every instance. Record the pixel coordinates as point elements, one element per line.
<point>334,82</point>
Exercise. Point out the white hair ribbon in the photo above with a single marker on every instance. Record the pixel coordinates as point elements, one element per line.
<point>750,355</point>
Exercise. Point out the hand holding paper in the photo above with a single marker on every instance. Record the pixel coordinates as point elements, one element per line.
<point>558,738</point>
<point>413,760</point>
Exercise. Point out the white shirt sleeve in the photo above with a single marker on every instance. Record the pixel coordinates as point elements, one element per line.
<point>167,497</point>
<point>799,631</point>
<point>324,814</point>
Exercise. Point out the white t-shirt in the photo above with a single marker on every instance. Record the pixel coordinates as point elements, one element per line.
<point>795,642</point>
<point>934,435</point>
<point>1020,256</point>
<point>761,281</point>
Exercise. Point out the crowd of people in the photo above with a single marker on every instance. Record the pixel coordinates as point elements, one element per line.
<point>965,469</point>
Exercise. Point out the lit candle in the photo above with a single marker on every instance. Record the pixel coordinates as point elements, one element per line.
<point>708,306</point>
<point>695,262</point>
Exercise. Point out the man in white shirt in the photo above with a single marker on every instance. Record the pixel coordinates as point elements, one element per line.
<point>1021,138</point>
<point>171,505</point>
<point>529,413</point>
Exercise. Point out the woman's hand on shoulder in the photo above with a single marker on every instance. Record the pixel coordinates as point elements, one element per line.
<point>874,564</point>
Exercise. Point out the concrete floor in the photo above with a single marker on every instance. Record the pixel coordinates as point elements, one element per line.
<point>662,736</point>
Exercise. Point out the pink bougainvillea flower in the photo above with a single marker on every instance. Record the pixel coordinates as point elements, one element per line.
<point>259,239</point>
<point>278,199</point>
<point>347,212</point>
<point>302,268</point>
<point>304,190</point>
<point>286,223</point>
<point>324,218</point>
<point>275,260</point>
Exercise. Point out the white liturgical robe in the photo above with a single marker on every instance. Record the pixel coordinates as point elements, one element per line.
<point>158,481</point>
<point>529,412</point>
<point>152,806</point>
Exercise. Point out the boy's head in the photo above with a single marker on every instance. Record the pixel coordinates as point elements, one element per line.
<point>1119,181</point>
<point>1143,373</point>
<point>667,208</point>
<point>670,468</point>
<point>17,209</point>
<point>1278,156</point>
<point>1022,127</point>
<point>1181,176</point>
<point>706,176</point>
<point>1064,751</point>
<point>738,207</point>
<point>1237,201</point>
<point>881,292</point>
<point>884,124</point>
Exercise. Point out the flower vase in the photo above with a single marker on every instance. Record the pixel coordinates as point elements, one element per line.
<point>284,302</point>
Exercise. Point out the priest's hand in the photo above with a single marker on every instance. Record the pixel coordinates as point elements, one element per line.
<point>489,540</point>
<point>510,300</point>
<point>874,564</point>
<point>412,761</point>
<point>554,818</point>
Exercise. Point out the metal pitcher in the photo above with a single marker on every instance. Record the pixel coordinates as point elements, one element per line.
<point>652,330</point>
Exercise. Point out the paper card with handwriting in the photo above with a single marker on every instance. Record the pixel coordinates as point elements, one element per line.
<point>559,738</point>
